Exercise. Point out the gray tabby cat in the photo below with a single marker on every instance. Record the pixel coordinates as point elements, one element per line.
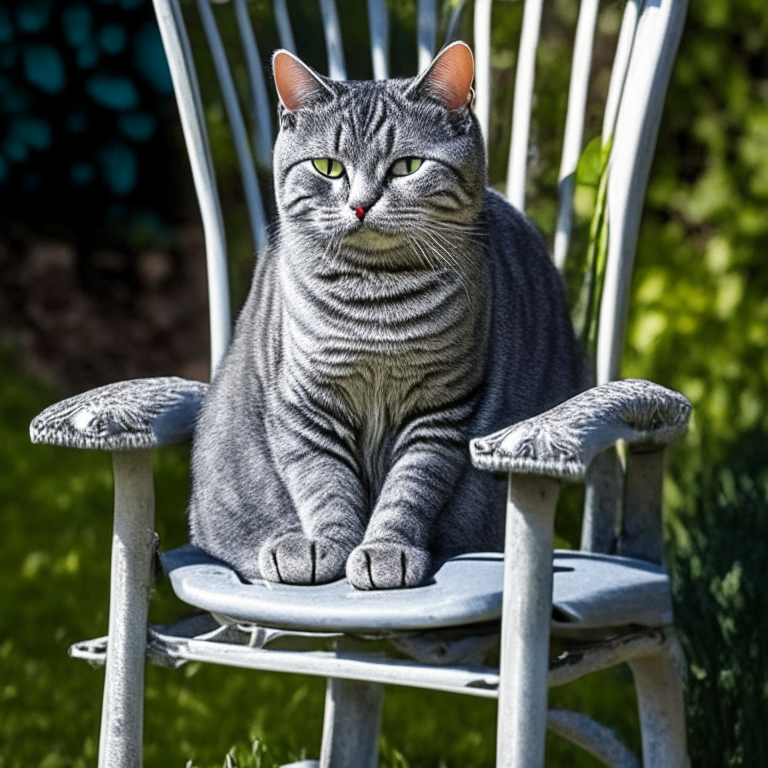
<point>400,309</point>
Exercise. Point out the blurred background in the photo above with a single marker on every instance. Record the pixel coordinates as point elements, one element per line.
<point>102,278</point>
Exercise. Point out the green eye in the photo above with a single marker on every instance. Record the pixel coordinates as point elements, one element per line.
<point>406,166</point>
<point>328,167</point>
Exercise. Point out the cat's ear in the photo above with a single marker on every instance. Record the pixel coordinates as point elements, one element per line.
<point>295,81</point>
<point>448,77</point>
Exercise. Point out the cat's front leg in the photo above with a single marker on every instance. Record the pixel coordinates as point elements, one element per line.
<point>395,551</point>
<point>319,474</point>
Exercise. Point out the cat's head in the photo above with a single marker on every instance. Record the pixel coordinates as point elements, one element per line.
<point>376,169</point>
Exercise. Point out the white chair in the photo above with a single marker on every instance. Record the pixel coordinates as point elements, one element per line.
<point>609,603</point>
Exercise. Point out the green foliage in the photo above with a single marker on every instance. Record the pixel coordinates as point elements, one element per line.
<point>720,547</point>
<point>592,172</point>
<point>699,319</point>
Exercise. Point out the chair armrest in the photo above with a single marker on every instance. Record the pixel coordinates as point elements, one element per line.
<point>562,441</point>
<point>129,415</point>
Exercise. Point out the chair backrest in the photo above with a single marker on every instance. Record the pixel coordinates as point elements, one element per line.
<point>646,47</point>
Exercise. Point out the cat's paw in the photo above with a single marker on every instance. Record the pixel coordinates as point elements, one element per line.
<point>294,559</point>
<point>386,565</point>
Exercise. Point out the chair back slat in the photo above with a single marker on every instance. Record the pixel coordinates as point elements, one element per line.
<point>337,70</point>
<point>426,32</point>
<point>574,125</point>
<point>256,216</point>
<point>452,31</point>
<point>620,64</point>
<point>283,22</point>
<point>261,109</point>
<point>637,124</point>
<point>378,24</point>
<point>521,109</point>
<point>646,47</point>
<point>185,86</point>
<point>482,28</point>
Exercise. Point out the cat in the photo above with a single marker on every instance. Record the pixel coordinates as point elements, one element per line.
<point>400,309</point>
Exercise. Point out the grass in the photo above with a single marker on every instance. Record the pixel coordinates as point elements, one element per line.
<point>55,527</point>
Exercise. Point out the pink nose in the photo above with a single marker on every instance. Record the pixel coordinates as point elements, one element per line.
<point>359,211</point>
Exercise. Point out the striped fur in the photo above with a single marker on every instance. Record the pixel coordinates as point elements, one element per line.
<point>335,436</point>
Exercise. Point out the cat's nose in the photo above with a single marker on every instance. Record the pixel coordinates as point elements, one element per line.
<point>361,204</point>
<point>363,194</point>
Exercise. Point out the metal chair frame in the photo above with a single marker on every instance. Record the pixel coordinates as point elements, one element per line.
<point>623,505</point>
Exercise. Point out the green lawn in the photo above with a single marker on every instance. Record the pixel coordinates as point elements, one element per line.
<point>55,521</point>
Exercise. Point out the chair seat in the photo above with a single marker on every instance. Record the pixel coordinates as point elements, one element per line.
<point>591,591</point>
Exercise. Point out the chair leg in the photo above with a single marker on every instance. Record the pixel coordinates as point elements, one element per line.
<point>122,715</point>
<point>659,685</point>
<point>525,622</point>
<point>352,724</point>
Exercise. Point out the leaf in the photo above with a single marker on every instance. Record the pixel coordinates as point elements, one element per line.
<point>592,163</point>
<point>586,313</point>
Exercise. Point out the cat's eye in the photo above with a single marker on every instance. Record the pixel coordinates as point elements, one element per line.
<point>406,166</point>
<point>328,167</point>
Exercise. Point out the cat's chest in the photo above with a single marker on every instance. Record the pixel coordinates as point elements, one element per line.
<point>393,324</point>
<point>376,351</point>
<point>378,370</point>
<point>377,397</point>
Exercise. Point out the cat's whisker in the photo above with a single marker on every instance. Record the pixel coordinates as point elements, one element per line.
<point>449,242</point>
<point>447,262</point>
<point>417,216</point>
<point>453,262</point>
<point>447,247</point>
<point>335,243</point>
<point>420,251</point>
<point>466,235</point>
<point>443,244</point>
<point>327,249</point>
<point>443,251</point>
<point>471,234</point>
<point>433,263</point>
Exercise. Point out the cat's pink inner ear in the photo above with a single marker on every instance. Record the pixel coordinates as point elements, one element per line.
<point>450,75</point>
<point>293,80</point>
